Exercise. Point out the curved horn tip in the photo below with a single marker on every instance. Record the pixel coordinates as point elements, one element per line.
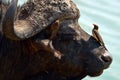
<point>8,20</point>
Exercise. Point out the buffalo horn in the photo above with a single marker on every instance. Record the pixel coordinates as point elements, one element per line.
<point>18,30</point>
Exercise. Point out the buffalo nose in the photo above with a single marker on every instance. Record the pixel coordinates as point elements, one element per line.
<point>106,58</point>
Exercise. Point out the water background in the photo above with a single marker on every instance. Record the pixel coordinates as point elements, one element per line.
<point>106,14</point>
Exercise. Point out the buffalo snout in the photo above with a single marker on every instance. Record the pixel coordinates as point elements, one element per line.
<point>106,58</point>
<point>98,59</point>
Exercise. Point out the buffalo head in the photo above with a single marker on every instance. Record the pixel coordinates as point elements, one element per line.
<point>80,53</point>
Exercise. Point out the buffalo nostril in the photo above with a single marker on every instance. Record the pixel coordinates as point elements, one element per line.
<point>106,58</point>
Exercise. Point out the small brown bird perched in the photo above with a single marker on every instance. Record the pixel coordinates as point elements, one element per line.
<point>96,34</point>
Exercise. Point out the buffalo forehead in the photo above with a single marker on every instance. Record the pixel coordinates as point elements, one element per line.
<point>44,12</point>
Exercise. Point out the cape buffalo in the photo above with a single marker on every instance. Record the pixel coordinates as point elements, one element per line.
<point>42,40</point>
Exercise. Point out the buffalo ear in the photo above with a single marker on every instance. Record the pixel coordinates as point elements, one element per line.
<point>54,27</point>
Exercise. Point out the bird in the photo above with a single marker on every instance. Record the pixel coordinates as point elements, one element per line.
<point>96,35</point>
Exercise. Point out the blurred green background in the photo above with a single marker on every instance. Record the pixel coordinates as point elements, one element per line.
<point>106,14</point>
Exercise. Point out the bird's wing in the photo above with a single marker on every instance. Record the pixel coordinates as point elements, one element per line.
<point>97,36</point>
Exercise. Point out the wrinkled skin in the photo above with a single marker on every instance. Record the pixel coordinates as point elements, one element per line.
<point>27,60</point>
